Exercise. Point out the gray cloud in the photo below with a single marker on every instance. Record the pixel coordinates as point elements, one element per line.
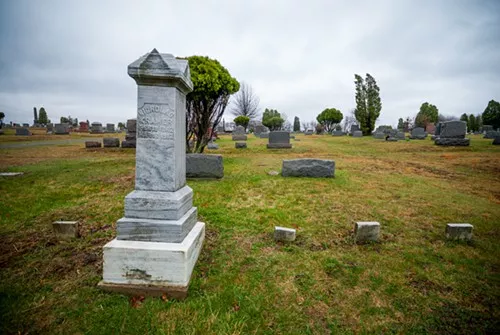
<point>300,57</point>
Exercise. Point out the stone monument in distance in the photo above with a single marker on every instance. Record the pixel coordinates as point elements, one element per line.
<point>159,239</point>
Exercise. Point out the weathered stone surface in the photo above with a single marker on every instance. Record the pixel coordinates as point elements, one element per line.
<point>379,135</point>
<point>490,134</point>
<point>400,135</point>
<point>391,139</point>
<point>459,231</point>
<point>110,127</point>
<point>284,234</point>
<point>264,135</point>
<point>132,260</point>
<point>156,230</point>
<point>240,145</point>
<point>166,266</point>
<point>354,128</point>
<point>61,129</point>
<point>357,133</point>
<point>23,132</point>
<point>96,128</point>
<point>111,142</point>
<point>239,130</point>
<point>212,146</point>
<point>259,129</point>
<point>159,205</point>
<point>92,144</point>
<point>308,167</point>
<point>418,134</point>
<point>129,144</point>
<point>66,229</point>
<point>486,128</point>
<point>279,140</point>
<point>453,129</point>
<point>452,141</point>
<point>309,132</point>
<point>366,231</point>
<point>338,133</point>
<point>239,137</point>
<point>204,166</point>
<point>496,140</point>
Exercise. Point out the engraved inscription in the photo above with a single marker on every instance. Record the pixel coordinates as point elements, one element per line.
<point>155,121</point>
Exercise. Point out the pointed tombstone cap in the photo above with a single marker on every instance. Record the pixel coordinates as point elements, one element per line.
<point>158,69</point>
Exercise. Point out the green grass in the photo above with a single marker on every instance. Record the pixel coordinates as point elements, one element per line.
<point>413,281</point>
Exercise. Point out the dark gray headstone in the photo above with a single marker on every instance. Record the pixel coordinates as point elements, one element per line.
<point>110,127</point>
<point>379,135</point>
<point>61,128</point>
<point>279,140</point>
<point>23,132</point>
<point>204,166</point>
<point>239,134</point>
<point>240,145</point>
<point>453,129</point>
<point>354,128</point>
<point>452,133</point>
<point>308,167</point>
<point>96,128</point>
<point>496,141</point>
<point>418,133</point>
<point>338,133</point>
<point>357,133</point>
<point>111,142</point>
<point>491,134</point>
<point>92,144</point>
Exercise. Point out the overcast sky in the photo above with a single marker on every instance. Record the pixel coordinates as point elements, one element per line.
<point>300,57</point>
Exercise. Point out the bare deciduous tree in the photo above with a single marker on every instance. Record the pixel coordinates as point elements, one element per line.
<point>349,120</point>
<point>245,102</point>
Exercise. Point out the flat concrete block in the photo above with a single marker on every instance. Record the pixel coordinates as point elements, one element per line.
<point>66,229</point>
<point>240,145</point>
<point>92,144</point>
<point>459,231</point>
<point>366,231</point>
<point>284,234</point>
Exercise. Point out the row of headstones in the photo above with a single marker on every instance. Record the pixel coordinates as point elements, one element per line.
<point>370,232</point>
<point>277,139</point>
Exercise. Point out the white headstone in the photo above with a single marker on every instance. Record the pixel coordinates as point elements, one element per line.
<point>159,239</point>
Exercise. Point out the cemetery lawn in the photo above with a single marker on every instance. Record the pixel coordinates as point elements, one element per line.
<point>412,282</point>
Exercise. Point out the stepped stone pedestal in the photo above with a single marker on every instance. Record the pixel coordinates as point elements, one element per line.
<point>159,239</point>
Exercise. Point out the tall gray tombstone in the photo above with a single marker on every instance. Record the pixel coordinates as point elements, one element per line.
<point>159,239</point>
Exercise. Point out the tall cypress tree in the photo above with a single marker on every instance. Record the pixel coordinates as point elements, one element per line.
<point>296,124</point>
<point>368,103</point>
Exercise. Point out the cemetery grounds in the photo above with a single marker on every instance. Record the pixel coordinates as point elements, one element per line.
<point>412,282</point>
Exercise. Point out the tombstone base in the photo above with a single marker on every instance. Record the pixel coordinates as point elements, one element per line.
<point>179,293</point>
<point>279,146</point>
<point>452,141</point>
<point>152,268</point>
